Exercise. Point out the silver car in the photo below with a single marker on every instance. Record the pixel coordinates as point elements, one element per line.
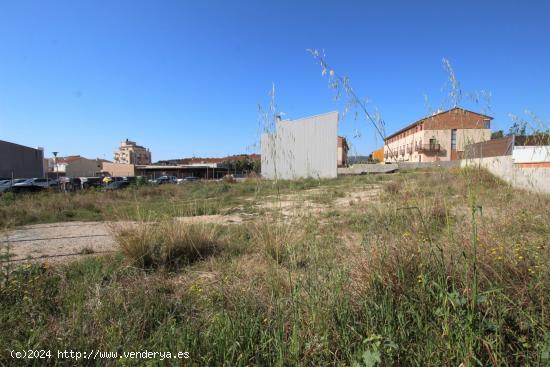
<point>42,182</point>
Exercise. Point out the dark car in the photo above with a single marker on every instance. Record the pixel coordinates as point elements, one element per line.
<point>164,180</point>
<point>117,185</point>
<point>7,185</point>
<point>131,178</point>
<point>26,186</point>
<point>87,182</point>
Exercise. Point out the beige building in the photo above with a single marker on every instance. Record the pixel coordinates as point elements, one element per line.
<point>74,166</point>
<point>130,153</point>
<point>343,149</point>
<point>439,137</point>
<point>119,169</point>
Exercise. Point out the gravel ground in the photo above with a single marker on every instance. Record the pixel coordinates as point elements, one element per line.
<point>58,241</point>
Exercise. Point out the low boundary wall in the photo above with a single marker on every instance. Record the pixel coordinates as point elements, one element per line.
<point>415,165</point>
<point>532,179</point>
<point>359,169</point>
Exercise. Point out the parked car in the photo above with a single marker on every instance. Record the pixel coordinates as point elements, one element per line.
<point>87,182</point>
<point>187,179</point>
<point>164,180</point>
<point>45,183</point>
<point>131,179</point>
<point>28,185</point>
<point>117,185</point>
<point>6,185</point>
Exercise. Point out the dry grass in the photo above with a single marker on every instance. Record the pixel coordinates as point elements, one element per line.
<point>168,243</point>
<point>280,241</point>
<point>452,268</point>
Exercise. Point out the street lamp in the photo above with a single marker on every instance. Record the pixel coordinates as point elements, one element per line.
<point>56,169</point>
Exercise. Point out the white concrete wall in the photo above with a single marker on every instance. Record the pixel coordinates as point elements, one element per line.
<point>531,154</point>
<point>532,179</point>
<point>302,148</point>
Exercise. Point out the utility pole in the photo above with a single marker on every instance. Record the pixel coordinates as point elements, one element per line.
<point>56,169</point>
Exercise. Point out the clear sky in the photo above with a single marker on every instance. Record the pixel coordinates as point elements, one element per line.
<point>185,77</point>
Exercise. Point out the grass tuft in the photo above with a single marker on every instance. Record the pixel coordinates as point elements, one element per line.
<point>168,244</point>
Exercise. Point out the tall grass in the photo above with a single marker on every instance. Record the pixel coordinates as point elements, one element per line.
<point>168,243</point>
<point>378,284</point>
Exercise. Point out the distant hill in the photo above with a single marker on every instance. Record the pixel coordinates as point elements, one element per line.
<point>199,160</point>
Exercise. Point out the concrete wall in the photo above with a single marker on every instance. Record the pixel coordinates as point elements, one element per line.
<point>529,154</point>
<point>532,179</point>
<point>415,165</point>
<point>360,169</point>
<point>302,148</point>
<point>21,161</point>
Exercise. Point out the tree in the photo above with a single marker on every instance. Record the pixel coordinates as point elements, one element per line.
<point>518,128</point>
<point>497,134</point>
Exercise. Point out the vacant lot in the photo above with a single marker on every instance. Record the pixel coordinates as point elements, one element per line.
<point>438,267</point>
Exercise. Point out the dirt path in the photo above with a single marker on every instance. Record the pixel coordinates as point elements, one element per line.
<point>56,242</point>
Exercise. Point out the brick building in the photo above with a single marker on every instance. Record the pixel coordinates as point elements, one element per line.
<point>439,137</point>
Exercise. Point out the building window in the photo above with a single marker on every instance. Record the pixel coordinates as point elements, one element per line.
<point>453,139</point>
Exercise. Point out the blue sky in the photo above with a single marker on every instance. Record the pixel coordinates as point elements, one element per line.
<point>185,77</point>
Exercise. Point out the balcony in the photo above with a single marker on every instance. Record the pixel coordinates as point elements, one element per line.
<point>428,148</point>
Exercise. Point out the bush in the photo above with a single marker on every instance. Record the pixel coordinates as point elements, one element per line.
<point>168,243</point>
<point>186,243</point>
<point>279,242</point>
<point>392,187</point>
<point>7,198</point>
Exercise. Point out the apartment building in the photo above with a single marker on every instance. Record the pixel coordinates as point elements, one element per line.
<point>439,137</point>
<point>130,153</point>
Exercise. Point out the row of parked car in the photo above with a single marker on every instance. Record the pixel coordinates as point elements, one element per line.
<point>27,184</point>
<point>81,183</point>
<point>21,185</point>
<point>172,180</point>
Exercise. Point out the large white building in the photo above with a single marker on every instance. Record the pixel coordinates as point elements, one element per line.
<point>306,147</point>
